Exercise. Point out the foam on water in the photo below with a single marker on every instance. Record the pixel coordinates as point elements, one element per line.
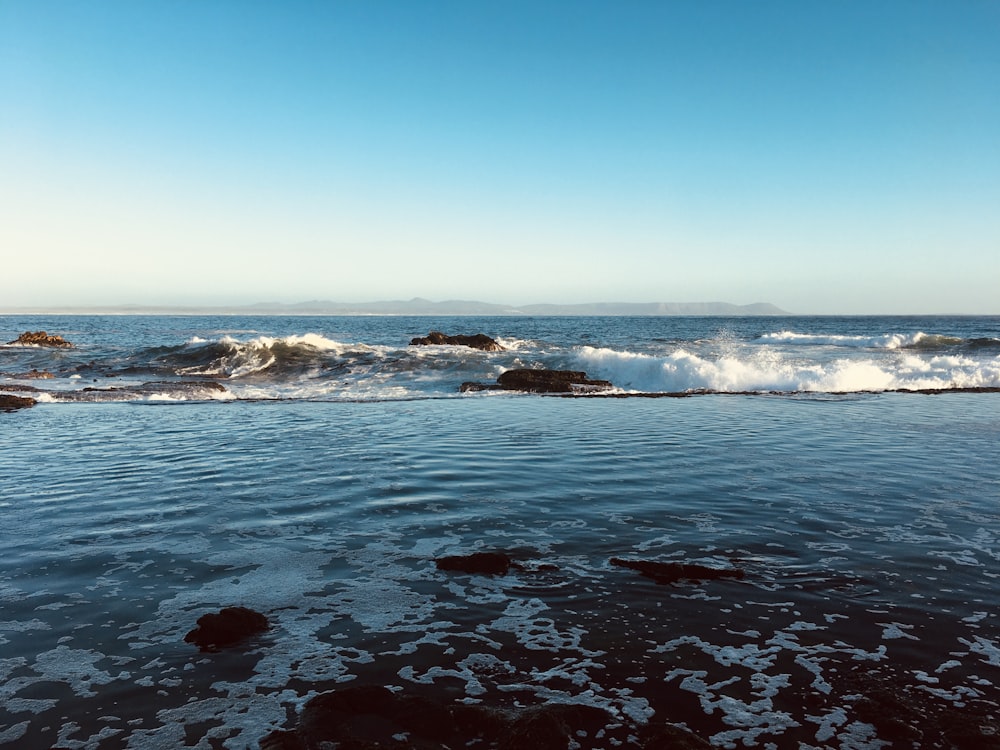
<point>768,370</point>
<point>371,359</point>
<point>880,341</point>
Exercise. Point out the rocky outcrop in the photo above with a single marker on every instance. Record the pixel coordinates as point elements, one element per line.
<point>672,572</point>
<point>541,381</point>
<point>226,627</point>
<point>40,338</point>
<point>12,403</point>
<point>477,341</point>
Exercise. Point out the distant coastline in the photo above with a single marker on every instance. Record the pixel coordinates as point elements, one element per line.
<point>415,306</point>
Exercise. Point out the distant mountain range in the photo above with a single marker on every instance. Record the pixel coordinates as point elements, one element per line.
<point>420,306</point>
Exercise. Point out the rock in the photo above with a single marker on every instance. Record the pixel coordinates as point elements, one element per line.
<point>554,725</point>
<point>11,403</point>
<point>226,628</point>
<point>40,338</point>
<point>663,735</point>
<point>478,341</point>
<point>483,563</point>
<point>671,572</point>
<point>371,716</point>
<point>549,381</point>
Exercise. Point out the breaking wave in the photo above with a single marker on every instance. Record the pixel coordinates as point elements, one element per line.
<point>232,359</point>
<point>891,341</point>
<point>768,370</point>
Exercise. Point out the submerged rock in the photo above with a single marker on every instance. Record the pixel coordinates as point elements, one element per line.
<point>671,572</point>
<point>372,717</point>
<point>541,381</point>
<point>40,338</point>
<point>12,403</point>
<point>33,375</point>
<point>476,341</point>
<point>228,626</point>
<point>484,563</point>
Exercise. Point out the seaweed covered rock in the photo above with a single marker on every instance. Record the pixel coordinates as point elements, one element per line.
<point>12,403</point>
<point>672,572</point>
<point>476,341</point>
<point>227,627</point>
<point>40,338</point>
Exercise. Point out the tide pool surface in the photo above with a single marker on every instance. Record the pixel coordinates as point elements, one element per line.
<point>866,524</point>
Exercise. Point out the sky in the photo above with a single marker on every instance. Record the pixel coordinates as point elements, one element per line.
<point>826,157</point>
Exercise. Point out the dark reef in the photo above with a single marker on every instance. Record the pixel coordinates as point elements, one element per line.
<point>227,627</point>
<point>476,341</point>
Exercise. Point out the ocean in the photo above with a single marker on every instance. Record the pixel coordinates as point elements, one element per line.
<point>314,469</point>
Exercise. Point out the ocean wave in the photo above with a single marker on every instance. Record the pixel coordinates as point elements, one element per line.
<point>770,371</point>
<point>158,391</point>
<point>231,358</point>
<point>919,340</point>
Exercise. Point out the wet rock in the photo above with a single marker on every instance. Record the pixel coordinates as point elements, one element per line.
<point>909,716</point>
<point>372,717</point>
<point>672,572</point>
<point>541,381</point>
<point>549,381</point>
<point>227,627</point>
<point>40,338</point>
<point>11,403</point>
<point>477,341</point>
<point>663,735</point>
<point>483,563</point>
<point>554,725</point>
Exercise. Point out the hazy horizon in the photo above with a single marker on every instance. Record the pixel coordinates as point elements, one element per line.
<point>452,307</point>
<point>824,158</point>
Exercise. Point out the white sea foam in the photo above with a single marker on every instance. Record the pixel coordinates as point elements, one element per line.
<point>765,370</point>
<point>881,341</point>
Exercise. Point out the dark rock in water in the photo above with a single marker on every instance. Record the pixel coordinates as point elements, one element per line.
<point>548,381</point>
<point>40,338</point>
<point>909,716</point>
<point>227,627</point>
<point>551,726</point>
<point>484,563</point>
<point>671,572</point>
<point>11,403</point>
<point>477,341</point>
<point>541,381</point>
<point>371,717</point>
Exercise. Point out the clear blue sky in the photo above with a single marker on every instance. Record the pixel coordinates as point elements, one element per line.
<point>824,156</point>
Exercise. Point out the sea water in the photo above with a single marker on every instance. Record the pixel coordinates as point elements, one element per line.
<point>336,462</point>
